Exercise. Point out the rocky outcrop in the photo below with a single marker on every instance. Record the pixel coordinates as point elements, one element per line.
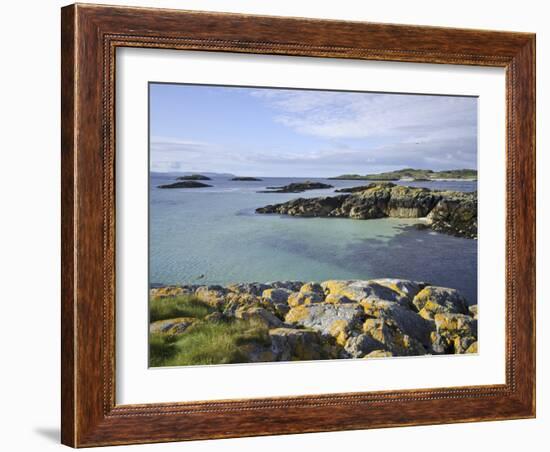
<point>193,177</point>
<point>449,212</point>
<point>436,300</point>
<point>334,318</point>
<point>297,187</point>
<point>290,344</point>
<point>185,184</point>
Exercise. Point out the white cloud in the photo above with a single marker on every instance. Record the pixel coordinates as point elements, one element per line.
<point>344,115</point>
<point>163,144</point>
<point>348,132</point>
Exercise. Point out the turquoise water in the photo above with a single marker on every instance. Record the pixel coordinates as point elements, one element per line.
<point>214,232</point>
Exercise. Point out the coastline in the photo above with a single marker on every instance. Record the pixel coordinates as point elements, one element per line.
<point>449,212</point>
<point>296,320</point>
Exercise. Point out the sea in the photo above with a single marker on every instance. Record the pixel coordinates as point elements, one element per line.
<point>213,236</point>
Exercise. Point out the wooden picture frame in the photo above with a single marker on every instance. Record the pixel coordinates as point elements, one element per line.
<point>90,36</point>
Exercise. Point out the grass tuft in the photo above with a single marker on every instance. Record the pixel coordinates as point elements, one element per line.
<point>181,306</point>
<point>208,343</point>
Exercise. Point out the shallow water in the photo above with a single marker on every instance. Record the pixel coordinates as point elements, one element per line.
<point>212,236</point>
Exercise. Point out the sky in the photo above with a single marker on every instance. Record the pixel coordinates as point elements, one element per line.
<point>249,131</point>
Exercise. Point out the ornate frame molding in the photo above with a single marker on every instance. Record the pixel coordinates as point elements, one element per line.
<point>90,37</point>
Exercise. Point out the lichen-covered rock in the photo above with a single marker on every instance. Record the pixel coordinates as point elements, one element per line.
<point>456,323</point>
<point>462,344</point>
<point>338,321</point>
<point>392,338</point>
<point>171,326</point>
<point>362,345</point>
<point>289,344</point>
<point>335,318</point>
<point>459,329</point>
<point>276,296</point>
<point>404,287</point>
<point>379,354</point>
<point>455,214</point>
<point>304,298</point>
<point>211,295</point>
<point>243,299</point>
<point>358,290</point>
<point>401,318</point>
<point>277,299</point>
<point>337,299</point>
<point>441,344</point>
<point>258,314</point>
<point>171,291</point>
<point>254,352</point>
<point>411,202</point>
<point>432,300</point>
<point>312,287</point>
<point>472,348</point>
<point>255,289</point>
<point>234,301</point>
<point>306,207</point>
<point>334,286</point>
<point>293,286</point>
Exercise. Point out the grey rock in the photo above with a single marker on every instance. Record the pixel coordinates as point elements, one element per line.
<point>361,345</point>
<point>433,300</point>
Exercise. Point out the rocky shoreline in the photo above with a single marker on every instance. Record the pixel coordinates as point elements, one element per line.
<point>449,212</point>
<point>333,319</point>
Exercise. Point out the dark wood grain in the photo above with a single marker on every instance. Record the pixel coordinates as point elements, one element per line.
<point>90,36</point>
<point>67,226</point>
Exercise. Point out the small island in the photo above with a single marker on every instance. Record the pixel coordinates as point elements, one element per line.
<point>185,184</point>
<point>194,177</point>
<point>246,179</point>
<point>414,175</point>
<point>297,187</point>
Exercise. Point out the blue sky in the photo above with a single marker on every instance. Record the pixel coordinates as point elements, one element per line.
<point>282,132</point>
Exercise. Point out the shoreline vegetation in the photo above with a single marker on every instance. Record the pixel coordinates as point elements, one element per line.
<point>294,320</point>
<point>414,175</point>
<point>449,212</point>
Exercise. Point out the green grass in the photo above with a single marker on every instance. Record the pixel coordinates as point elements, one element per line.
<point>182,306</point>
<point>207,343</point>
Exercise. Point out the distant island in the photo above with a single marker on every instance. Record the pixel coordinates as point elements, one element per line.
<point>194,177</point>
<point>297,187</point>
<point>246,179</point>
<point>185,184</point>
<point>411,174</point>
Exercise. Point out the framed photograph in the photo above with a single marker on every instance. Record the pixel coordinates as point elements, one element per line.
<point>281,225</point>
